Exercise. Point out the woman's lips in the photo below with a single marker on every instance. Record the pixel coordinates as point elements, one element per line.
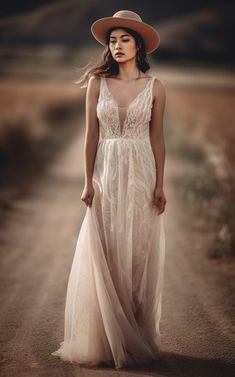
<point>119,53</point>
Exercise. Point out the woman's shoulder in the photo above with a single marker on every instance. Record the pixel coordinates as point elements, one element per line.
<point>93,84</point>
<point>158,84</point>
<point>157,81</point>
<point>94,80</point>
<point>159,89</point>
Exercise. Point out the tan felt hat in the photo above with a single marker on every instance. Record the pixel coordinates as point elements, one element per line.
<point>126,18</point>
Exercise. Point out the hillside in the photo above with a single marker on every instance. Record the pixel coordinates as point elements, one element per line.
<point>201,34</point>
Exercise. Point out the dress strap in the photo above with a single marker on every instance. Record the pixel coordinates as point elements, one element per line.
<point>152,82</point>
<point>101,90</point>
<point>151,88</point>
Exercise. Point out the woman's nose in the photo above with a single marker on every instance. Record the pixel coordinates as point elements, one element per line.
<point>118,43</point>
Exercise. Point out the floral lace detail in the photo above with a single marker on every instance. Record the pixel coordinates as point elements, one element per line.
<point>137,117</point>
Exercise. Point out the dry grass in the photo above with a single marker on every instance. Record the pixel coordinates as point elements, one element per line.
<point>37,119</point>
<point>200,131</point>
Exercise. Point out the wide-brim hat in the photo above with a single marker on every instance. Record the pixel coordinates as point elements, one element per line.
<point>126,18</point>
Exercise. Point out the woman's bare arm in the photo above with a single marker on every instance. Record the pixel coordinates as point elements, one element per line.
<point>156,130</point>
<point>92,128</point>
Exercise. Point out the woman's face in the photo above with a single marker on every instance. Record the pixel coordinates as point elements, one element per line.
<point>120,41</point>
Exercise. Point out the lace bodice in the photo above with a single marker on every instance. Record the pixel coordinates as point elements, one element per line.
<point>137,113</point>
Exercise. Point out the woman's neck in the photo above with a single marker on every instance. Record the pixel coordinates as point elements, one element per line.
<point>128,71</point>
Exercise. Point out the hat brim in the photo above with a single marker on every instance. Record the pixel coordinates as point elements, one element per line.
<point>150,35</point>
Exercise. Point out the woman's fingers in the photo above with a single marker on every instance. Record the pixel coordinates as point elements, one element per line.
<point>159,202</point>
<point>87,201</point>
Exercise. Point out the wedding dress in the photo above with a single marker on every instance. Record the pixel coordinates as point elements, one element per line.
<point>114,293</point>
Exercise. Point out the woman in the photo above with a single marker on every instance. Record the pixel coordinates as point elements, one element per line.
<point>113,303</point>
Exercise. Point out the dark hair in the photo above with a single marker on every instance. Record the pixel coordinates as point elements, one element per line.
<point>108,66</point>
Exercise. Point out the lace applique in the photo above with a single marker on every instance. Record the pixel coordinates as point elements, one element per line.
<point>137,114</point>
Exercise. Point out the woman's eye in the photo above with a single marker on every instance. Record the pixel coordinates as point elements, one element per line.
<point>123,40</point>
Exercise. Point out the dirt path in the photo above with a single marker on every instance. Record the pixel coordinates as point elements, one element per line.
<point>37,246</point>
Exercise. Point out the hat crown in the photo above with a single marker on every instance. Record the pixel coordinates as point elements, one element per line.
<point>128,14</point>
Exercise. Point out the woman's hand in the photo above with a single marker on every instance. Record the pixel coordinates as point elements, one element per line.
<point>88,194</point>
<point>159,199</point>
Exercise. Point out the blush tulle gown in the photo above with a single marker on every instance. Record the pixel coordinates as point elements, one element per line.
<point>114,292</point>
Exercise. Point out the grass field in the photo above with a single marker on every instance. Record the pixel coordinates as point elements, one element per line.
<point>200,132</point>
<point>37,119</point>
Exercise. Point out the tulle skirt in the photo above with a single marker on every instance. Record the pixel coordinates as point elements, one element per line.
<point>114,292</point>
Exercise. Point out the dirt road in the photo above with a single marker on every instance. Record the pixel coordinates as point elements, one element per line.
<point>37,246</point>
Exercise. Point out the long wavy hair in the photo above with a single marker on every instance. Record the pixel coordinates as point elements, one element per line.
<point>107,66</point>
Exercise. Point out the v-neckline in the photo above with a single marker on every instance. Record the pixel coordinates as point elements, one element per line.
<point>122,126</point>
<point>126,107</point>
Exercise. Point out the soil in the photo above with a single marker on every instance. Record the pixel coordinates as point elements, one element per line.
<point>38,240</point>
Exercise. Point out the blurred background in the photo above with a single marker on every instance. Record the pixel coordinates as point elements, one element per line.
<point>45,46</point>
